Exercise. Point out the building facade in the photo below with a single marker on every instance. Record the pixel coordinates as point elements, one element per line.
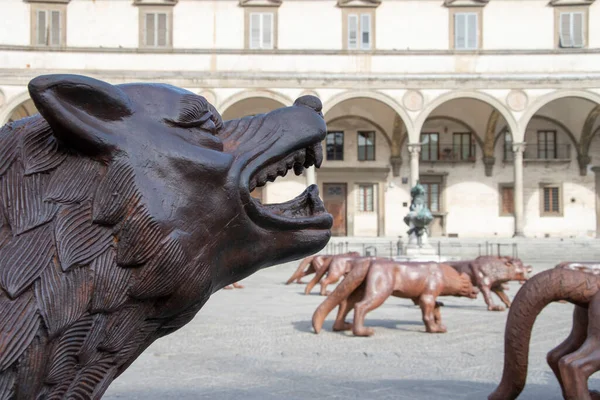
<point>492,105</point>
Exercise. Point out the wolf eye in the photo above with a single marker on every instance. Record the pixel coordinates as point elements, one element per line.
<point>205,122</point>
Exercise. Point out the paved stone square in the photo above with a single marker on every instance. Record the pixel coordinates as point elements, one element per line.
<point>258,343</point>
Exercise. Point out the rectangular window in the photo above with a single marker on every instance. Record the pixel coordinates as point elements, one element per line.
<point>507,200</point>
<point>551,201</point>
<point>365,198</point>
<point>546,145</point>
<point>430,146</point>
<point>462,146</point>
<point>261,30</point>
<point>432,196</point>
<point>366,146</point>
<point>156,30</point>
<point>508,151</point>
<point>335,146</point>
<point>571,29</point>
<point>465,31</point>
<point>48,28</point>
<point>359,31</point>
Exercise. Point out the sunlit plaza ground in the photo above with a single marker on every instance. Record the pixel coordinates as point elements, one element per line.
<point>258,343</point>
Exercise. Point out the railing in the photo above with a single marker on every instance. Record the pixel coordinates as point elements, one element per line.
<point>443,249</point>
<point>541,152</point>
<point>447,152</point>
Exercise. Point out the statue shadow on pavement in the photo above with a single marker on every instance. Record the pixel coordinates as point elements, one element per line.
<point>395,324</point>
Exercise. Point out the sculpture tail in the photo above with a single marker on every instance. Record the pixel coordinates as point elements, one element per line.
<point>540,290</point>
<point>352,281</point>
<point>299,271</point>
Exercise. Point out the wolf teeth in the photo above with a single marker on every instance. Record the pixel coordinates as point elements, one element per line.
<point>298,161</point>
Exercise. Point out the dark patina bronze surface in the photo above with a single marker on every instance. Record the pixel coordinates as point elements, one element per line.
<point>122,209</point>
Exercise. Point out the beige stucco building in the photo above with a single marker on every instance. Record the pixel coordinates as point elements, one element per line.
<point>492,105</point>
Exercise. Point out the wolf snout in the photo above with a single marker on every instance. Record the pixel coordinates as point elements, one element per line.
<point>310,101</point>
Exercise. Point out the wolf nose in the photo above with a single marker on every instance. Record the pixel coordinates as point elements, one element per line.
<point>310,102</point>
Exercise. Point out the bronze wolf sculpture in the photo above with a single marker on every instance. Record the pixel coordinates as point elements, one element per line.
<point>122,209</point>
<point>578,356</point>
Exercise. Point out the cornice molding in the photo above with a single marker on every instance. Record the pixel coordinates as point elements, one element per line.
<point>260,3</point>
<point>466,3</point>
<point>358,3</point>
<point>559,3</point>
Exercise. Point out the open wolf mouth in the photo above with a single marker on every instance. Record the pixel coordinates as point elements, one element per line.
<point>303,212</point>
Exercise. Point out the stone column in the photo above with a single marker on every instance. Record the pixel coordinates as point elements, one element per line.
<point>597,190</point>
<point>311,176</point>
<point>518,149</point>
<point>414,150</point>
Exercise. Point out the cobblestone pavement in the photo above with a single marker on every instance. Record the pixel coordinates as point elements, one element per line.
<point>258,343</point>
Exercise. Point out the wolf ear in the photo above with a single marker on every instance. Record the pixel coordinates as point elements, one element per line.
<point>81,111</point>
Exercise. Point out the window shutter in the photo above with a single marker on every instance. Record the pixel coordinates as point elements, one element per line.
<point>161,37</point>
<point>508,200</point>
<point>365,31</point>
<point>471,31</point>
<point>546,199</point>
<point>361,198</point>
<point>371,146</point>
<point>555,199</point>
<point>435,197</point>
<point>267,31</point>
<point>460,27</point>
<point>254,31</point>
<point>55,28</point>
<point>577,29</point>
<point>565,30</point>
<point>41,27</point>
<point>352,31</point>
<point>150,30</point>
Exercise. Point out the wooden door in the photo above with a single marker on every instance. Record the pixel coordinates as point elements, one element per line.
<point>335,203</point>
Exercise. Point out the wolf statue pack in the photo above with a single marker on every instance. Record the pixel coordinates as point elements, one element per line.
<point>122,209</point>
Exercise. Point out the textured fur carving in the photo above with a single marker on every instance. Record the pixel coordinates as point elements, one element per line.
<point>89,276</point>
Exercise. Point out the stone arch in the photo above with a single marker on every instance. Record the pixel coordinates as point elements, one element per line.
<point>459,122</point>
<point>395,136</point>
<point>587,133</point>
<point>545,118</point>
<point>562,126</point>
<point>454,95</point>
<point>537,105</point>
<point>378,96</point>
<point>13,105</point>
<point>285,101</point>
<point>386,136</point>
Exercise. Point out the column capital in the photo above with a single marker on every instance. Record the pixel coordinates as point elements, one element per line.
<point>519,147</point>
<point>414,148</point>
